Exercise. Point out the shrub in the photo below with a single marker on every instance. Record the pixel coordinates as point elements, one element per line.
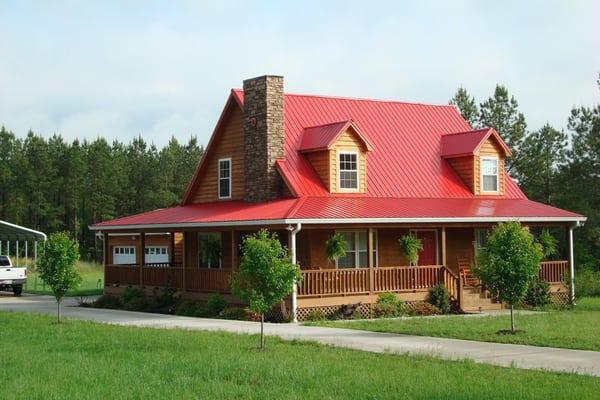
<point>389,305</point>
<point>422,308</point>
<point>215,304</point>
<point>357,314</point>
<point>165,298</point>
<point>587,283</point>
<point>190,308</point>
<point>439,297</point>
<point>132,293</point>
<point>538,294</point>
<point>142,304</point>
<point>108,301</point>
<point>238,313</point>
<point>316,315</point>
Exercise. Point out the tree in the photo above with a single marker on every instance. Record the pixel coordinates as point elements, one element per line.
<point>501,112</point>
<point>466,105</point>
<point>266,274</point>
<point>509,263</point>
<point>542,154</point>
<point>56,266</point>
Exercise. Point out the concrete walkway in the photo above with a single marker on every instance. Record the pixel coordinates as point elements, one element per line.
<point>529,357</point>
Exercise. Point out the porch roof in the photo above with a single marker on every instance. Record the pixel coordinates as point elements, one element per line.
<point>344,209</point>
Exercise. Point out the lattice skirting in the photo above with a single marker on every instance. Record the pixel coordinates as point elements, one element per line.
<point>560,298</point>
<point>366,310</point>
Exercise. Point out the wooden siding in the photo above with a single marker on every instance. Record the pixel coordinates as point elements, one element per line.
<point>464,167</point>
<point>320,161</point>
<point>489,149</point>
<point>459,244</point>
<point>230,144</point>
<point>348,141</point>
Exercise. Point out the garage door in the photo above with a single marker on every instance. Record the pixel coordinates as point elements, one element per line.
<point>124,255</point>
<point>156,255</point>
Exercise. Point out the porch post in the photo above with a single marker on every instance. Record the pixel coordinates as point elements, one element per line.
<point>172,252</point>
<point>444,246</point>
<point>17,254</point>
<point>142,256</point>
<point>571,266</point>
<point>234,252</point>
<point>105,253</point>
<point>293,231</point>
<point>371,261</point>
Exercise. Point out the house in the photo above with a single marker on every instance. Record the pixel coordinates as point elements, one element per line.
<point>308,166</point>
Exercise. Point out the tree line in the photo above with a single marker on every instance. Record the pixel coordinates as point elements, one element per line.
<point>53,185</point>
<point>552,166</point>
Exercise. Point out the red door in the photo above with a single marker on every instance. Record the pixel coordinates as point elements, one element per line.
<point>427,256</point>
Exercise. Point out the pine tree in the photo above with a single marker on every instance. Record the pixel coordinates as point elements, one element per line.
<point>466,105</point>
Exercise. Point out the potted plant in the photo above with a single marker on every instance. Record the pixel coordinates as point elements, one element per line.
<point>335,247</point>
<point>410,246</point>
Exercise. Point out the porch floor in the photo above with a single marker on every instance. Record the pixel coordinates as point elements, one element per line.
<point>526,357</point>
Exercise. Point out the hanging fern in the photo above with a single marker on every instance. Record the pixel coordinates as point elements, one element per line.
<point>335,247</point>
<point>210,249</point>
<point>410,246</point>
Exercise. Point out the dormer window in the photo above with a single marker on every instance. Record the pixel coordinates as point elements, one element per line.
<point>348,170</point>
<point>225,178</point>
<point>489,174</point>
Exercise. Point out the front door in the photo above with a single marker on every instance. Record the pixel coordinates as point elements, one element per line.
<point>427,256</point>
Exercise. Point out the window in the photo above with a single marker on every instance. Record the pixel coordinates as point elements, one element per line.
<point>156,255</point>
<point>357,253</point>
<point>348,170</point>
<point>481,236</point>
<point>124,255</point>
<point>209,250</point>
<point>489,174</point>
<point>225,178</point>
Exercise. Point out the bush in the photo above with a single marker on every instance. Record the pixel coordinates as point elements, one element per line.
<point>357,314</point>
<point>587,283</point>
<point>215,304</point>
<point>423,309</point>
<point>439,297</point>
<point>190,308</point>
<point>538,294</point>
<point>108,301</point>
<point>238,313</point>
<point>132,293</point>
<point>142,304</point>
<point>316,315</point>
<point>165,298</point>
<point>389,305</point>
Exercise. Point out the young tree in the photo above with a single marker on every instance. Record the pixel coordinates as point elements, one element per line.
<point>501,112</point>
<point>466,105</point>
<point>509,263</point>
<point>56,266</point>
<point>266,274</point>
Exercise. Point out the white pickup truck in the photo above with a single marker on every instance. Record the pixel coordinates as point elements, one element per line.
<point>12,277</point>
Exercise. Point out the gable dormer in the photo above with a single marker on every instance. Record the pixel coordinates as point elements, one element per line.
<point>338,152</point>
<point>478,158</point>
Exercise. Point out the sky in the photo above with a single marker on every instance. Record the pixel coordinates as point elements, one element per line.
<point>119,69</point>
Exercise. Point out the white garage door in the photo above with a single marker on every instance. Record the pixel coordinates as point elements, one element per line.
<point>157,255</point>
<point>124,255</point>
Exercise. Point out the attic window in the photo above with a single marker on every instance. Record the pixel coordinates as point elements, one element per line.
<point>225,178</point>
<point>348,167</point>
<point>489,174</point>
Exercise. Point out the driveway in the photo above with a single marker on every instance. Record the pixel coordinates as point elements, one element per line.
<point>528,357</point>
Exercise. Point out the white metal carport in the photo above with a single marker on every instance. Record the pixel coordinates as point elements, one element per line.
<point>12,235</point>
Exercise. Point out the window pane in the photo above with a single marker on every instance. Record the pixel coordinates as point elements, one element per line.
<point>363,259</point>
<point>348,171</point>
<point>348,261</point>
<point>490,183</point>
<point>489,167</point>
<point>362,240</point>
<point>224,187</point>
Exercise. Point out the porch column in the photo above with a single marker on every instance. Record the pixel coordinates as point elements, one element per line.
<point>571,265</point>
<point>293,231</point>
<point>234,252</point>
<point>444,246</point>
<point>142,256</point>
<point>371,261</point>
<point>172,251</point>
<point>105,252</point>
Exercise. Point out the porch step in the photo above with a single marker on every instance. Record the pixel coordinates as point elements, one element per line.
<point>476,299</point>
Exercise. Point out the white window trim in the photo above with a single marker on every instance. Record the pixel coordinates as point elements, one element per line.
<point>482,188</point>
<point>219,177</point>
<point>339,171</point>
<point>356,253</point>
<point>437,243</point>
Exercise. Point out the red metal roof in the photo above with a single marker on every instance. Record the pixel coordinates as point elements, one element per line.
<point>407,175</point>
<point>343,209</point>
<point>467,143</point>
<point>322,137</point>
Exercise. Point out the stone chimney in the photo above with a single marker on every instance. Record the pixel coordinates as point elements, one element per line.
<point>263,137</point>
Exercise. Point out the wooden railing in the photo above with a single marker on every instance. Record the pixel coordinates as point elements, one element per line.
<point>329,282</point>
<point>453,284</point>
<point>554,271</point>
<point>167,276</point>
<point>122,274</point>
<point>208,280</point>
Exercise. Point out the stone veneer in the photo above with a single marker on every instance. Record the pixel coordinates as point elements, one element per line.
<point>263,137</point>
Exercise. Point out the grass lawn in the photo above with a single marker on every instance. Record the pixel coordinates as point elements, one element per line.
<point>573,329</point>
<point>89,360</point>
<point>90,272</point>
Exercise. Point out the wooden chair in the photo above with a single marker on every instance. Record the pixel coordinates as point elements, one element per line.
<point>464,269</point>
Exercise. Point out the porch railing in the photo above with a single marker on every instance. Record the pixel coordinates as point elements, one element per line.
<point>554,271</point>
<point>329,282</point>
<point>208,280</point>
<point>122,274</point>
